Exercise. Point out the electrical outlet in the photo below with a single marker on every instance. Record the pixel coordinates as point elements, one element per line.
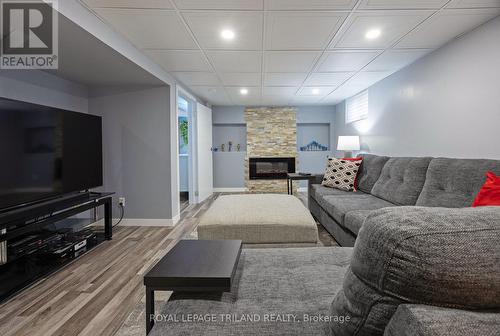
<point>121,201</point>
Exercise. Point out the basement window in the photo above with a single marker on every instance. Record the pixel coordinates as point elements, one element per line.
<point>356,107</point>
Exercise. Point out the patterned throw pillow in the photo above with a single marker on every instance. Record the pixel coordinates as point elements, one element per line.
<point>341,174</point>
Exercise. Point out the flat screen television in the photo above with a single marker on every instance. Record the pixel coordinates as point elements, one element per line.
<point>46,152</point>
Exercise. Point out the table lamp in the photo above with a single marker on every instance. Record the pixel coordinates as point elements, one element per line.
<point>348,144</point>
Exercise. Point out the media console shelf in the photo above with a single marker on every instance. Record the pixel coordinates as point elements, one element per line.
<point>25,223</point>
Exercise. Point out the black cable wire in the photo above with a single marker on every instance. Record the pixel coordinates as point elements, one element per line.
<point>122,208</point>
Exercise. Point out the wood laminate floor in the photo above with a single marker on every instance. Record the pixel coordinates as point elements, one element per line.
<point>94,295</point>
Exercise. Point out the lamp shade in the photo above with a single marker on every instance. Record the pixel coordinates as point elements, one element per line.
<point>348,143</point>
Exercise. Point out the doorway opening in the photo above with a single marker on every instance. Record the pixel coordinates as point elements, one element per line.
<point>184,123</point>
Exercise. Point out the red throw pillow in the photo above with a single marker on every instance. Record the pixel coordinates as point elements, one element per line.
<point>490,192</point>
<point>355,159</point>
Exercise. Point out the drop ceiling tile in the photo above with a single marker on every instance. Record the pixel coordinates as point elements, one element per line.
<point>402,4</point>
<point>309,4</point>
<point>393,60</point>
<point>180,60</point>
<point>214,94</point>
<point>332,99</point>
<point>220,4</point>
<point>474,4</point>
<point>305,100</point>
<point>446,25</point>
<point>345,91</point>
<point>236,61</point>
<point>252,98</point>
<point>241,78</point>
<point>365,79</point>
<point>345,61</point>
<point>289,61</point>
<point>207,27</point>
<point>283,91</point>
<point>154,4</point>
<point>197,78</point>
<point>284,78</point>
<point>151,28</point>
<point>328,78</point>
<point>392,24</point>
<point>318,91</point>
<point>301,30</point>
<point>275,101</point>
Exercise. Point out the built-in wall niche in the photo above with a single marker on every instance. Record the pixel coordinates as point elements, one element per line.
<point>224,133</point>
<point>313,137</point>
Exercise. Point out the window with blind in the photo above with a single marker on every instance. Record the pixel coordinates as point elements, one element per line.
<point>356,107</point>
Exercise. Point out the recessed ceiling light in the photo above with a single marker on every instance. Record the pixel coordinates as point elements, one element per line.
<point>227,34</point>
<point>315,91</point>
<point>244,91</point>
<point>373,34</point>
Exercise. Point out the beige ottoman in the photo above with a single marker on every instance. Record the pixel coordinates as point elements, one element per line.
<point>259,219</point>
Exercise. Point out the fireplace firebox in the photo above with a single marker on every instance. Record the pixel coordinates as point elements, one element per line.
<point>272,168</point>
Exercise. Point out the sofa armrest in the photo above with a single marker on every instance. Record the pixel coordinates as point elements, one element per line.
<point>435,256</point>
<point>418,255</point>
<point>421,320</point>
<point>316,179</point>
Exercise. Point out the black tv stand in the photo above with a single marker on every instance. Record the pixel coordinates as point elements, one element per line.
<point>32,219</point>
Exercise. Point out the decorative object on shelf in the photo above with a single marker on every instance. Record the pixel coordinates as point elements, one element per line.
<point>348,144</point>
<point>215,149</point>
<point>238,147</point>
<point>230,145</point>
<point>314,146</point>
<point>222,147</point>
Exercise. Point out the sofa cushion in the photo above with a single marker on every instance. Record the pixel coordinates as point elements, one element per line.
<point>318,190</point>
<point>341,174</point>
<point>454,183</point>
<point>338,206</point>
<point>267,281</point>
<point>401,180</point>
<point>354,220</point>
<point>421,320</point>
<point>436,256</point>
<point>370,170</point>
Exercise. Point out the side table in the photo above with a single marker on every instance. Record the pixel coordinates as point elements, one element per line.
<point>296,177</point>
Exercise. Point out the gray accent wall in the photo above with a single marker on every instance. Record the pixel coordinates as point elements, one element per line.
<point>136,146</point>
<point>229,167</point>
<point>445,104</point>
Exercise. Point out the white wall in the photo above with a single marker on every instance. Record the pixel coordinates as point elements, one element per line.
<point>445,104</point>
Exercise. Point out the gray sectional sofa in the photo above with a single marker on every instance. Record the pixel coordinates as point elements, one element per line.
<point>424,263</point>
<point>398,181</point>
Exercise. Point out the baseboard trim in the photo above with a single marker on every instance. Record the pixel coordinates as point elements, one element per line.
<point>148,221</point>
<point>230,190</point>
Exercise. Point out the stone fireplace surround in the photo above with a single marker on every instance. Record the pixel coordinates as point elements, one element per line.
<point>271,132</point>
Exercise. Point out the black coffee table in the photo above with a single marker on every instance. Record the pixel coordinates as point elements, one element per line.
<point>192,266</point>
